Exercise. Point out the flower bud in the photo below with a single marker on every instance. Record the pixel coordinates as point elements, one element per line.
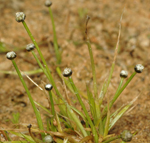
<point>20,16</point>
<point>48,139</point>
<point>138,68</point>
<point>67,72</point>
<point>11,55</point>
<point>124,74</point>
<point>48,3</point>
<point>30,47</point>
<point>48,87</point>
<point>126,136</point>
<point>29,126</point>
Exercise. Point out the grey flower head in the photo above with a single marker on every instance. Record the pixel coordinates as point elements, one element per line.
<point>29,126</point>
<point>11,55</point>
<point>48,3</point>
<point>67,72</point>
<point>124,74</point>
<point>48,139</point>
<point>30,47</point>
<point>48,87</point>
<point>126,136</point>
<point>20,16</point>
<point>138,68</point>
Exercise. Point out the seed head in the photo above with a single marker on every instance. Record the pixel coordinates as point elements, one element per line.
<point>20,16</point>
<point>29,126</point>
<point>123,74</point>
<point>48,3</point>
<point>138,68</point>
<point>48,87</point>
<point>48,139</point>
<point>30,47</point>
<point>126,136</point>
<point>11,55</point>
<point>67,72</point>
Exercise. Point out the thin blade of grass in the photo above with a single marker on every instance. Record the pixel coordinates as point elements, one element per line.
<point>120,114</point>
<point>93,68</point>
<point>91,103</point>
<point>111,139</point>
<point>115,97</point>
<point>115,55</point>
<point>42,107</point>
<point>58,55</point>
<point>85,110</point>
<point>37,113</point>
<point>58,123</point>
<point>119,92</point>
<point>79,113</point>
<point>32,72</point>
<point>28,138</point>
<point>91,58</point>
<point>107,121</point>
<point>86,139</point>
<point>82,116</point>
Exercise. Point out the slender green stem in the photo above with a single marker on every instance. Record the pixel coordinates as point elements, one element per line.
<point>58,123</point>
<point>109,78</point>
<point>32,72</point>
<point>91,103</point>
<point>43,60</point>
<point>93,68</point>
<point>107,122</point>
<point>38,116</point>
<point>97,105</point>
<point>76,119</point>
<point>52,103</point>
<point>72,115</point>
<point>127,82</point>
<point>111,139</point>
<point>35,43</point>
<point>52,110</point>
<point>39,63</point>
<point>116,94</point>
<point>58,56</point>
<point>99,117</point>
<point>84,109</point>
<point>119,92</point>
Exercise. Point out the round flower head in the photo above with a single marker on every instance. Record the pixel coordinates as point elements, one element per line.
<point>138,68</point>
<point>126,136</point>
<point>20,16</point>
<point>30,47</point>
<point>123,74</point>
<point>48,3</point>
<point>48,87</point>
<point>67,72</point>
<point>48,139</point>
<point>11,55</point>
<point>29,126</point>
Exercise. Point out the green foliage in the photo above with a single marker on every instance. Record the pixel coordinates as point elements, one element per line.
<point>69,124</point>
<point>15,118</point>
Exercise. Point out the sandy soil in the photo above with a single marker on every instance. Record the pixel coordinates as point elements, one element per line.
<point>69,18</point>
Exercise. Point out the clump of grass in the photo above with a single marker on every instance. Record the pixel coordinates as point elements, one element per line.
<point>68,124</point>
<point>15,119</point>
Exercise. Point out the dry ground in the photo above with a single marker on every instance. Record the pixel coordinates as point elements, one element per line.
<point>69,18</point>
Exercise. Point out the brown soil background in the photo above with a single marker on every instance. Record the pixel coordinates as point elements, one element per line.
<point>69,18</point>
